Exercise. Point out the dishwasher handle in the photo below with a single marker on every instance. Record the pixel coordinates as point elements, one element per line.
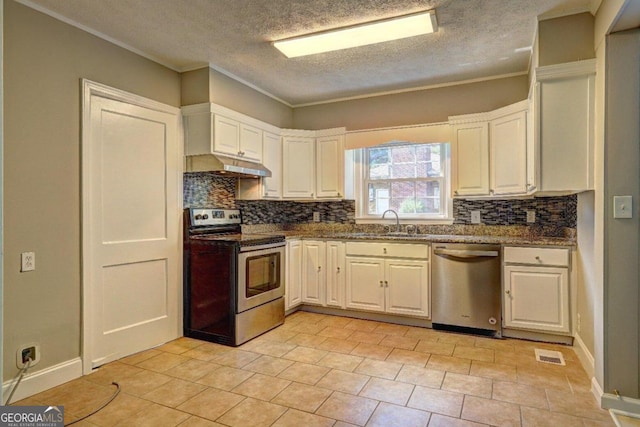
<point>462,253</point>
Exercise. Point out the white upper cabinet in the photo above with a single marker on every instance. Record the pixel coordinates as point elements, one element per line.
<point>226,135</point>
<point>471,151</point>
<point>564,126</point>
<point>313,164</point>
<point>213,129</point>
<point>508,154</point>
<point>330,166</point>
<point>490,152</point>
<point>298,158</point>
<point>250,145</point>
<point>272,160</point>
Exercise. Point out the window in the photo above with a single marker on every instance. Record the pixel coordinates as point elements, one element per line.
<point>411,179</point>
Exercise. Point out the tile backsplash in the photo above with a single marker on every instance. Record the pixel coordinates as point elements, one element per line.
<point>558,211</point>
<point>206,189</point>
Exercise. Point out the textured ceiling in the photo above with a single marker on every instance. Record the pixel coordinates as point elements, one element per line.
<point>476,39</point>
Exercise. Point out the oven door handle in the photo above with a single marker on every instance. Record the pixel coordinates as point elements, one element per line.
<point>260,247</point>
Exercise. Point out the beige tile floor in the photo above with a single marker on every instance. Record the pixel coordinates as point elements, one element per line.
<point>319,370</point>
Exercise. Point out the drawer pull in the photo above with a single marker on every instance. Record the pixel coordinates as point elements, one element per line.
<point>384,250</point>
<point>465,253</point>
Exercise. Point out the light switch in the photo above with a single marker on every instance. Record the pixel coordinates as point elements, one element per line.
<point>622,207</point>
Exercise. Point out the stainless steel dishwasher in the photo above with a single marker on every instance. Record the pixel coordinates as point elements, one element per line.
<point>466,284</point>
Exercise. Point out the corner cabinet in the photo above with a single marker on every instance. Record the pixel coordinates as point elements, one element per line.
<point>330,166</point>
<point>388,277</point>
<point>536,289</point>
<point>298,167</point>
<point>313,164</point>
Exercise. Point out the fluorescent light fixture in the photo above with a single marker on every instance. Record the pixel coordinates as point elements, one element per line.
<point>359,35</point>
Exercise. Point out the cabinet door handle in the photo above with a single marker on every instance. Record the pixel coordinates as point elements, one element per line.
<point>508,292</point>
<point>381,285</point>
<point>386,284</point>
<point>319,269</point>
<point>338,268</point>
<point>455,193</point>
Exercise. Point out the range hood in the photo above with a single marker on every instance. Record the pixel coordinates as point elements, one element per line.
<point>226,166</point>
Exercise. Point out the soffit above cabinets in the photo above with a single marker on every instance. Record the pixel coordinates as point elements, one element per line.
<point>475,40</point>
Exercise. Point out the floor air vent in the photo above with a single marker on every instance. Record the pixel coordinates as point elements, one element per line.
<point>550,356</point>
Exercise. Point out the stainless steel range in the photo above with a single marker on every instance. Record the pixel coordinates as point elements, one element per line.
<point>233,282</point>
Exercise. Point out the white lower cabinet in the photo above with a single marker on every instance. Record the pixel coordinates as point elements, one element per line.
<point>322,273</point>
<point>365,284</point>
<point>398,286</point>
<point>335,274</point>
<point>313,273</point>
<point>536,296</point>
<point>293,270</point>
<point>407,287</point>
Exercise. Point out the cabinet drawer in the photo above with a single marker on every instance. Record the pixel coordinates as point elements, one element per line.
<point>397,250</point>
<point>536,256</point>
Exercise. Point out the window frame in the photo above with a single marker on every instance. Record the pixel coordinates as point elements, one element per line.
<point>361,160</point>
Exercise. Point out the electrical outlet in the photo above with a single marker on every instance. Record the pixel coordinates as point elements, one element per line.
<point>28,352</point>
<point>531,217</point>
<point>475,217</point>
<point>316,217</point>
<point>28,261</point>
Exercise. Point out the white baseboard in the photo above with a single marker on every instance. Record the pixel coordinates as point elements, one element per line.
<point>42,380</point>
<point>596,390</point>
<point>621,403</point>
<point>584,356</point>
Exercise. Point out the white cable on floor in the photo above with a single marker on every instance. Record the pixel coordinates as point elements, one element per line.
<point>20,375</point>
<point>100,408</point>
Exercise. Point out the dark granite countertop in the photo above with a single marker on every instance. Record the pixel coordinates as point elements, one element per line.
<point>428,238</point>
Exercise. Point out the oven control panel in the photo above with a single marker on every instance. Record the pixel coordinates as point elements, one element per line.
<point>203,217</point>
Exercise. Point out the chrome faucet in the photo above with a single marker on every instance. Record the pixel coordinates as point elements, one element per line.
<point>397,219</point>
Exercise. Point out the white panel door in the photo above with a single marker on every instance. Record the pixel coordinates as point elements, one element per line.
<point>365,284</point>
<point>313,282</point>
<point>536,298</point>
<point>133,229</point>
<point>407,287</point>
